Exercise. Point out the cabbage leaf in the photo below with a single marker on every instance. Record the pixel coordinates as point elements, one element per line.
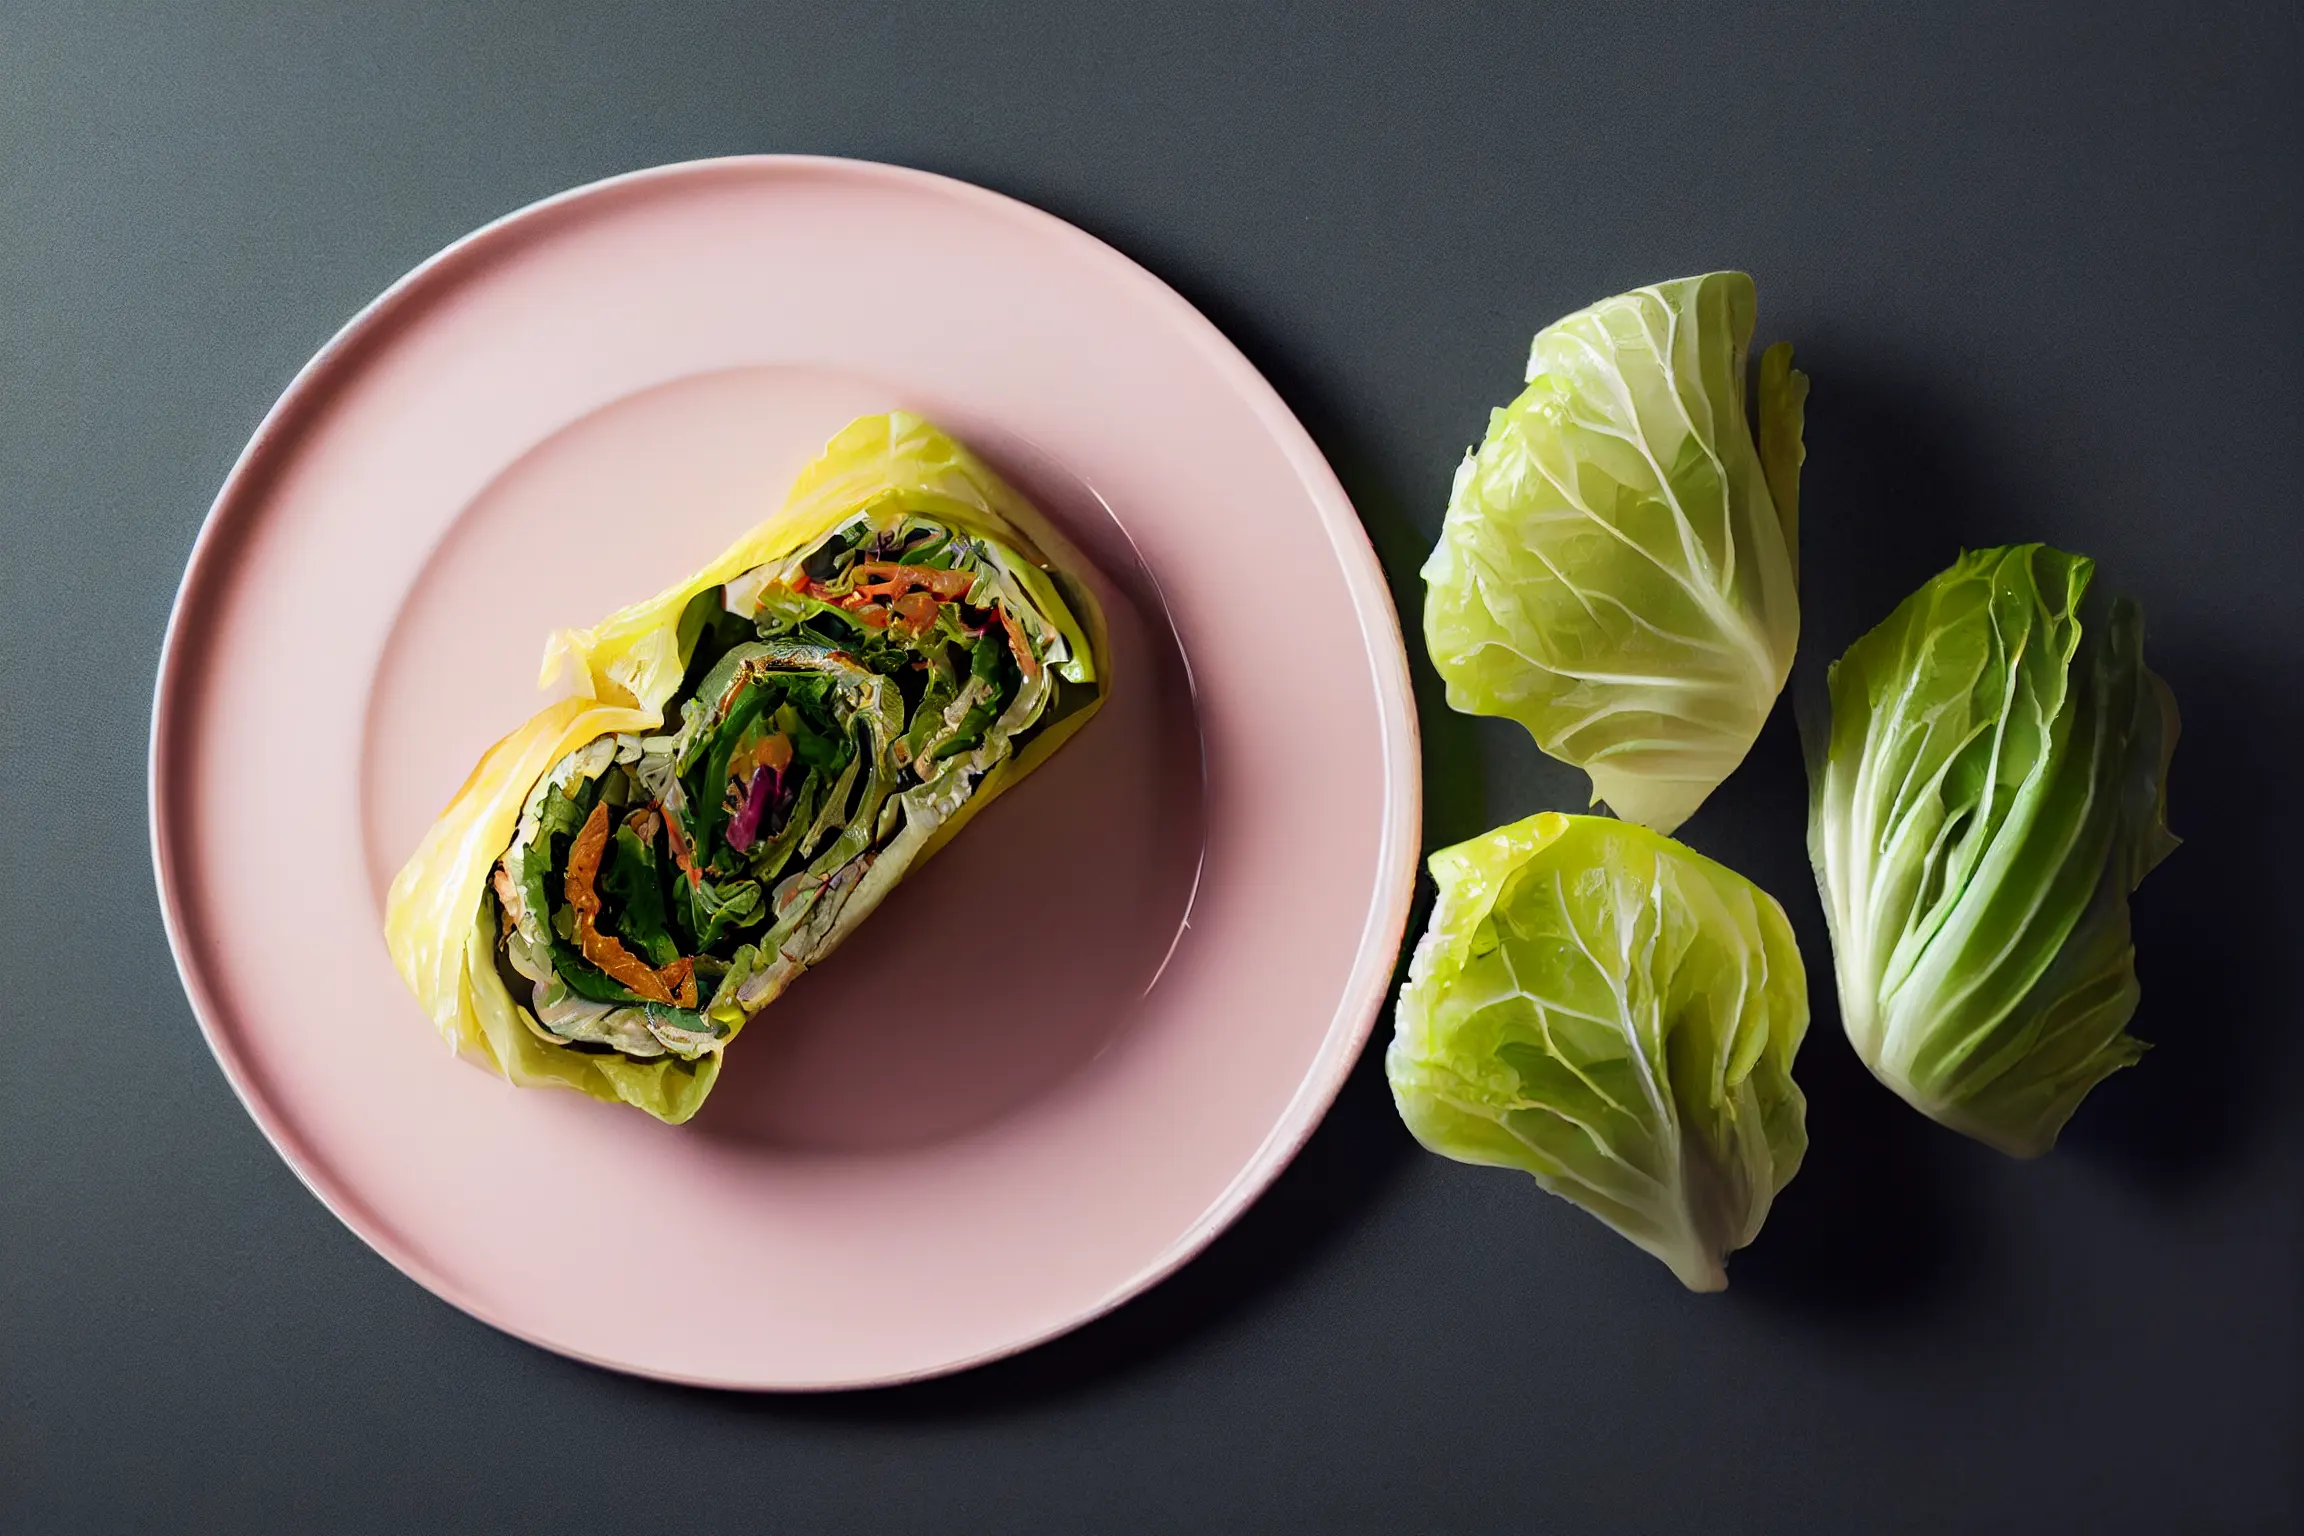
<point>1598,1006</point>
<point>1617,566</point>
<point>1992,787</point>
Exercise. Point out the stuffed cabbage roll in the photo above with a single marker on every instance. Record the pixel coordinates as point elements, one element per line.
<point>752,761</point>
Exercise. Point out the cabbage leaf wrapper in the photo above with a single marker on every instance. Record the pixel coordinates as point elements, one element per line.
<point>1992,787</point>
<point>1603,1008</point>
<point>751,761</point>
<point>1617,568</point>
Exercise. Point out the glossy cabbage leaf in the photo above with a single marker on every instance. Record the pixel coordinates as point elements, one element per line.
<point>1598,1006</point>
<point>1991,789</point>
<point>1617,567</point>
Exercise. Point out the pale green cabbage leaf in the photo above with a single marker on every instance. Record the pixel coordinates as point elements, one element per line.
<point>1617,566</point>
<point>1992,787</point>
<point>1601,1007</point>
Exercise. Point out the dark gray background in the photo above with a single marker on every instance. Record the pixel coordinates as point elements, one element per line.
<point>2044,268</point>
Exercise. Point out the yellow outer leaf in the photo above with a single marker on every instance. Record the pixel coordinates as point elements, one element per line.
<point>629,657</point>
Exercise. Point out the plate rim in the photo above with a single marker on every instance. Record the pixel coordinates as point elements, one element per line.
<point>1383,931</point>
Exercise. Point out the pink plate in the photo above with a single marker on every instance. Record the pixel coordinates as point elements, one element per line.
<point>1059,1060</point>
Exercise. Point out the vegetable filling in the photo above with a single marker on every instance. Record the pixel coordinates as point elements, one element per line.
<point>834,711</point>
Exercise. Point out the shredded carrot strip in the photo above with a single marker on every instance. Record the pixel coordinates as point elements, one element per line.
<point>680,976</point>
<point>1017,643</point>
<point>502,881</point>
<point>885,578</point>
<point>916,612</point>
<point>606,950</point>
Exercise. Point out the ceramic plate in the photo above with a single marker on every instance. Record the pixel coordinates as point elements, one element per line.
<point>1055,1063</point>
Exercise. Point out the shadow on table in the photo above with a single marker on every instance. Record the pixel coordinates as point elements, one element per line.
<point>1872,1231</point>
<point>2214,931</point>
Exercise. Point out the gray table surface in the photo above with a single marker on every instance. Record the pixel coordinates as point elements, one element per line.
<point>2044,267</point>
